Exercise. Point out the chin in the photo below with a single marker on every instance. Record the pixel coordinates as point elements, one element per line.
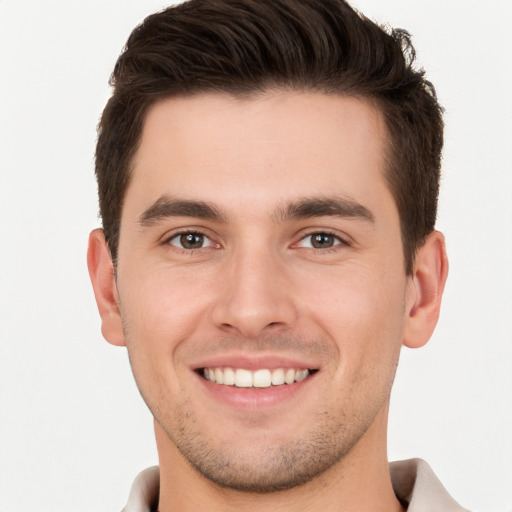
<point>265,467</point>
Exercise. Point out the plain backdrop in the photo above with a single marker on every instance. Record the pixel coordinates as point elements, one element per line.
<point>73,428</point>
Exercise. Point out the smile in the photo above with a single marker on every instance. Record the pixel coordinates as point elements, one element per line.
<point>262,378</point>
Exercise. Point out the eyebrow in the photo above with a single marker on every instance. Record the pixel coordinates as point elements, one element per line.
<point>304,208</point>
<point>167,206</point>
<point>325,206</point>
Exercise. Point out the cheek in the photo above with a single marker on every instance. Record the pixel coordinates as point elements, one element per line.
<point>163,307</point>
<point>158,314</point>
<point>355,297</point>
<point>362,312</point>
<point>159,311</point>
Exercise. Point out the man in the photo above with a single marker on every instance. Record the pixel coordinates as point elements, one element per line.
<point>268,175</point>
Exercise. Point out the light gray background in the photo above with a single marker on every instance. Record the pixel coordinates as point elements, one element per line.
<point>73,429</point>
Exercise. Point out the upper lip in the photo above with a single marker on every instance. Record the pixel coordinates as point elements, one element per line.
<point>255,362</point>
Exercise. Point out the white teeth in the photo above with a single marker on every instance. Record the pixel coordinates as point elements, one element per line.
<point>278,377</point>
<point>263,378</point>
<point>289,376</point>
<point>219,376</point>
<point>301,375</point>
<point>229,377</point>
<point>243,379</point>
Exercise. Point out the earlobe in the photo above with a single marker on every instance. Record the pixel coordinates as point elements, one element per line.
<point>426,287</point>
<point>101,272</point>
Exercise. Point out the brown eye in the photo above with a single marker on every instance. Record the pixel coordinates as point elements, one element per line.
<point>320,241</point>
<point>190,241</point>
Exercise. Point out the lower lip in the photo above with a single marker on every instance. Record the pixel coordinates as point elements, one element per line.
<point>255,398</point>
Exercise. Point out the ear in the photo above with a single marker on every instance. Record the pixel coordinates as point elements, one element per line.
<point>101,272</point>
<point>425,291</point>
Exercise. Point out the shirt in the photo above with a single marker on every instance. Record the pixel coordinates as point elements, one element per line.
<point>414,483</point>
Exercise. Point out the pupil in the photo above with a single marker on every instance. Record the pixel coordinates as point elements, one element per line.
<point>322,240</point>
<point>192,240</point>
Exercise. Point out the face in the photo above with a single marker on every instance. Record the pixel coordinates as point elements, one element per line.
<point>261,282</point>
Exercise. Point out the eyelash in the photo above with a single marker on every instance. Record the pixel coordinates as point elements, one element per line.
<point>338,241</point>
<point>168,240</point>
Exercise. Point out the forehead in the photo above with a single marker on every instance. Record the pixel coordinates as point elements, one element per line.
<point>259,150</point>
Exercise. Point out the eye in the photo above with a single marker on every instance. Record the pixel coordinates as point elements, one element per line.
<point>320,241</point>
<point>190,240</point>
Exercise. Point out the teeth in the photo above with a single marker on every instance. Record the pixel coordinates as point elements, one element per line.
<point>289,376</point>
<point>263,378</point>
<point>301,375</point>
<point>277,377</point>
<point>229,377</point>
<point>243,379</point>
<point>219,376</point>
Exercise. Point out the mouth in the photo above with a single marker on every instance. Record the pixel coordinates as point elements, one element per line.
<point>256,379</point>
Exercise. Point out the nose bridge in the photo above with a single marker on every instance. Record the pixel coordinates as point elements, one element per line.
<point>256,295</point>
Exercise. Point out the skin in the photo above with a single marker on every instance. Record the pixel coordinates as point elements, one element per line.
<point>256,293</point>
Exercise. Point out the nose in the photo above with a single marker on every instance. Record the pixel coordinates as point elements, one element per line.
<point>256,297</point>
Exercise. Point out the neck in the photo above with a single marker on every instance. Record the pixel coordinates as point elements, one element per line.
<point>359,482</point>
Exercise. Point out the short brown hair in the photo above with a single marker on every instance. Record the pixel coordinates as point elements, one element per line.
<point>242,47</point>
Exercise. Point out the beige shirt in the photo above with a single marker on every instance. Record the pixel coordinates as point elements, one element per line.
<point>414,483</point>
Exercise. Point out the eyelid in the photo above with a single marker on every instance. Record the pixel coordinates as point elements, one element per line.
<point>166,239</point>
<point>207,241</point>
<point>342,239</point>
